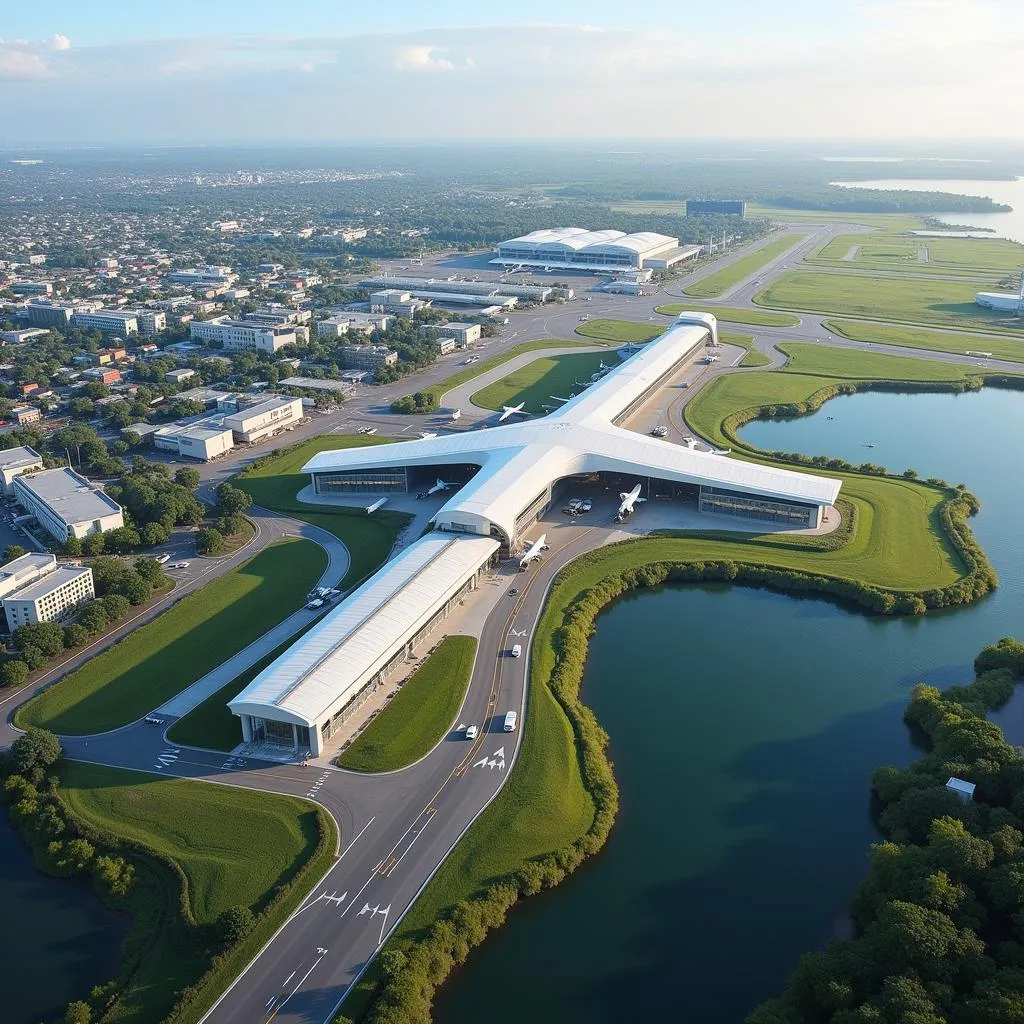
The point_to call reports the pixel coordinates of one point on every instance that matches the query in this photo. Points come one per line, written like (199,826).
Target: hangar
(592,251)
(509,475)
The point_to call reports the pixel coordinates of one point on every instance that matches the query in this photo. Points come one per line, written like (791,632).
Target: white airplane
(456,415)
(533,552)
(628,502)
(511,410)
(441,485)
(427,435)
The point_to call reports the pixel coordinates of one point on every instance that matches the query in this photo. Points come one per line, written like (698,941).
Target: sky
(208,71)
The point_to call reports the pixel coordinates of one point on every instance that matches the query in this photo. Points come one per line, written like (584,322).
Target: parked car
(164,558)
(153,720)
(471,732)
(180,565)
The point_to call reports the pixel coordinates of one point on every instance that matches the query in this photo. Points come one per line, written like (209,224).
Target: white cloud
(59,42)
(18,63)
(422,57)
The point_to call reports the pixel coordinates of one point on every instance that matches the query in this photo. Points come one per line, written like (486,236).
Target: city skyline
(899,69)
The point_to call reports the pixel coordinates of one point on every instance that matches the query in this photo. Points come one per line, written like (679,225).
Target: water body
(1004,225)
(57,941)
(744,726)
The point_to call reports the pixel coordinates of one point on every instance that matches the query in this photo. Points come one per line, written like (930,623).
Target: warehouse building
(298,700)
(465,335)
(66,504)
(264,419)
(527,292)
(14,462)
(203,439)
(591,251)
(1003,302)
(51,597)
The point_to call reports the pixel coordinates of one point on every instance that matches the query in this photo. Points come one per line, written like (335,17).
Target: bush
(13,672)
(418,402)
(93,617)
(75,635)
(233,925)
(33,657)
(209,542)
(47,637)
(115,605)
(13,551)
(35,752)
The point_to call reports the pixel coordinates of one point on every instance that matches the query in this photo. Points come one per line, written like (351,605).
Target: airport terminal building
(507,478)
(586,251)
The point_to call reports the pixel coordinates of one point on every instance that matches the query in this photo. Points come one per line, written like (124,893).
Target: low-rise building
(66,505)
(119,322)
(445,345)
(104,374)
(465,335)
(333,327)
(47,313)
(14,462)
(25,414)
(32,288)
(203,439)
(240,336)
(265,418)
(20,337)
(179,376)
(50,598)
(25,569)
(200,276)
(368,357)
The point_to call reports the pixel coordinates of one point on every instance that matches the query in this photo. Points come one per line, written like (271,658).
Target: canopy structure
(519,463)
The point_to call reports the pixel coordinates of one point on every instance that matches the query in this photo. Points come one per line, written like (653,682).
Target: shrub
(13,672)
(209,542)
(233,925)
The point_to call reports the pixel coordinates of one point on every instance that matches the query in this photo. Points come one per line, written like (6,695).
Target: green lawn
(625,332)
(538,382)
(156,661)
(234,846)
(733,314)
(713,286)
(752,356)
(948,303)
(891,222)
(275,483)
(418,717)
(825,360)
(1011,349)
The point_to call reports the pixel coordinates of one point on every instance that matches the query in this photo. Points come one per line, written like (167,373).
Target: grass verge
(1010,349)
(419,715)
(160,659)
(751,356)
(541,382)
(713,286)
(199,849)
(625,332)
(910,300)
(733,314)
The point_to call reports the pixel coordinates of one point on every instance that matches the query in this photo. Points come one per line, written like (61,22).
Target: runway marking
(169,756)
(286,980)
(316,787)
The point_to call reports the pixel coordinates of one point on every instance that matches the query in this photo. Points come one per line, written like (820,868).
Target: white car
(471,732)
(181,565)
(164,558)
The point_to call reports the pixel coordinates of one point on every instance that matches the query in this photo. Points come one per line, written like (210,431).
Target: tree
(149,569)
(73,547)
(75,635)
(47,636)
(78,1012)
(231,500)
(115,605)
(234,924)
(122,540)
(154,533)
(391,961)
(13,672)
(230,525)
(188,477)
(93,544)
(93,617)
(13,551)
(33,657)
(35,751)
(209,542)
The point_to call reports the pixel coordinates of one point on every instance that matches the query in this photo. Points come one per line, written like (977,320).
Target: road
(396,829)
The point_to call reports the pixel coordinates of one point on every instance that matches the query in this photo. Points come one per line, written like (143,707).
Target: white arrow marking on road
(496,760)
(500,752)
(336,898)
(480,763)
(512,632)
(365,910)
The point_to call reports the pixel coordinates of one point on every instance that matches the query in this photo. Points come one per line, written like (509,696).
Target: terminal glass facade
(368,481)
(793,515)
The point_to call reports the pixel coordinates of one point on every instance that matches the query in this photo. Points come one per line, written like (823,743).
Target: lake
(744,727)
(1005,225)
(58,940)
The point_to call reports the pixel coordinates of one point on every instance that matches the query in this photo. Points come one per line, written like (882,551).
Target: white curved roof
(608,240)
(518,460)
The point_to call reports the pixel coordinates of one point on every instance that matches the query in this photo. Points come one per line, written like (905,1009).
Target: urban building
(150,321)
(314,384)
(589,251)
(14,462)
(394,300)
(445,345)
(202,439)
(109,321)
(32,288)
(20,337)
(179,376)
(708,207)
(240,336)
(25,414)
(203,276)
(66,505)
(104,374)
(51,597)
(333,327)
(25,569)
(264,418)
(367,357)
(481,289)
(465,335)
(47,313)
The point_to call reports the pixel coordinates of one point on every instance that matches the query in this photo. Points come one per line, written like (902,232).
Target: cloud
(427,58)
(17,63)
(59,42)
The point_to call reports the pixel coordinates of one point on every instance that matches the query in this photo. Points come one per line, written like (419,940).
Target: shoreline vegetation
(454,914)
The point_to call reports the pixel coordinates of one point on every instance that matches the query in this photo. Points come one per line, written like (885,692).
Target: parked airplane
(534,551)
(628,503)
(456,415)
(511,410)
(441,485)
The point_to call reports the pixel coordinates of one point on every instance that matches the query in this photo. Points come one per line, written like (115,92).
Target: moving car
(517,650)
(510,721)
(181,565)
(153,720)
(471,732)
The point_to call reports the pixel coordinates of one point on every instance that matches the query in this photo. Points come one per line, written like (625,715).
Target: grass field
(537,382)
(752,357)
(713,286)
(826,361)
(733,314)
(158,660)
(419,715)
(1011,349)
(368,538)
(620,331)
(948,303)
(234,846)
(891,222)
